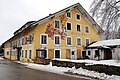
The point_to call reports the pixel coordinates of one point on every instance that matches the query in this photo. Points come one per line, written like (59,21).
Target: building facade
(63,34)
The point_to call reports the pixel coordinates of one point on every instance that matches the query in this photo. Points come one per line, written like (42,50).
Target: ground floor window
(25,53)
(57,53)
(22,53)
(30,54)
(44,53)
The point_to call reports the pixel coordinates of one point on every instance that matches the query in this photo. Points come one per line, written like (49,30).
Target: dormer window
(69,15)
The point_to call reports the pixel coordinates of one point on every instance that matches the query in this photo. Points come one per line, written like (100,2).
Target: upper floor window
(69,41)
(26,40)
(22,41)
(78,28)
(78,16)
(78,41)
(87,41)
(69,15)
(57,39)
(57,24)
(44,39)
(69,26)
(30,39)
(86,29)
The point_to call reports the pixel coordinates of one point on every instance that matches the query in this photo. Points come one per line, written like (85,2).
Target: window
(25,53)
(19,42)
(57,53)
(87,41)
(97,53)
(7,53)
(22,41)
(86,29)
(30,54)
(16,43)
(78,41)
(44,39)
(56,24)
(78,28)
(30,39)
(25,40)
(57,39)
(89,53)
(69,14)
(78,16)
(69,41)
(69,27)
(44,53)
(22,53)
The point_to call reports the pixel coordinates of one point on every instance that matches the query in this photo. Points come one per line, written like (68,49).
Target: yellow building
(63,35)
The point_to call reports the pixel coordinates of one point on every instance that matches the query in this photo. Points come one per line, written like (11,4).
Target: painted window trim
(76,16)
(47,53)
(80,39)
(71,40)
(59,39)
(80,27)
(88,29)
(66,26)
(86,39)
(59,23)
(41,38)
(54,53)
(70,14)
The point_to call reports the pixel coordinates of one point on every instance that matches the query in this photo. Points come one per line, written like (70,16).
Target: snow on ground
(104,62)
(1,58)
(61,70)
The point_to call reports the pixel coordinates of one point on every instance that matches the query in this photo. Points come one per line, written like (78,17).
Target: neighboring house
(106,49)
(63,34)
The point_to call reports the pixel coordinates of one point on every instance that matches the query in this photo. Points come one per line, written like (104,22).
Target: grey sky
(15,13)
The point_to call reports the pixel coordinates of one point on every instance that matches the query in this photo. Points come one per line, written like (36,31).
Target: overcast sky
(15,13)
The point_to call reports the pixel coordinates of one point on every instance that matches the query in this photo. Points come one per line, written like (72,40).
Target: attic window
(78,16)
(69,14)
(57,24)
(86,29)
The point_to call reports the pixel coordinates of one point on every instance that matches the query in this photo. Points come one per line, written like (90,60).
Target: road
(10,70)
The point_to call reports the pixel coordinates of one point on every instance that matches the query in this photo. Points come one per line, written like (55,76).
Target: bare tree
(107,14)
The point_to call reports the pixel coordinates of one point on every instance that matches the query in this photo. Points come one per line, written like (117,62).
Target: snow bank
(94,74)
(61,70)
(92,62)
(1,58)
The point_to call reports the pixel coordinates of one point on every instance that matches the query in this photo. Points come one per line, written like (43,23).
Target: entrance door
(18,53)
(107,54)
(73,53)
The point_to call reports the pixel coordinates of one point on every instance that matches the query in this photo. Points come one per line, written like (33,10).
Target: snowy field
(61,70)
(92,62)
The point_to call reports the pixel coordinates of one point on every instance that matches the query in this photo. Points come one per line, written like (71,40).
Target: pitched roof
(112,42)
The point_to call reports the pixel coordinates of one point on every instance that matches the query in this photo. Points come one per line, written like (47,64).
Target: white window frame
(71,40)
(88,29)
(80,28)
(47,52)
(59,24)
(86,39)
(76,16)
(59,39)
(70,14)
(41,38)
(29,54)
(54,52)
(77,41)
(66,26)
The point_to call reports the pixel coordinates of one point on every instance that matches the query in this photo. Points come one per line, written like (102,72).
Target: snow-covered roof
(112,42)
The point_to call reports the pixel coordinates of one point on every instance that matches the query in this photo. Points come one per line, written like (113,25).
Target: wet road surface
(10,70)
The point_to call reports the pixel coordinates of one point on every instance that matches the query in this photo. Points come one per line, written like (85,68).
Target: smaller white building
(106,49)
